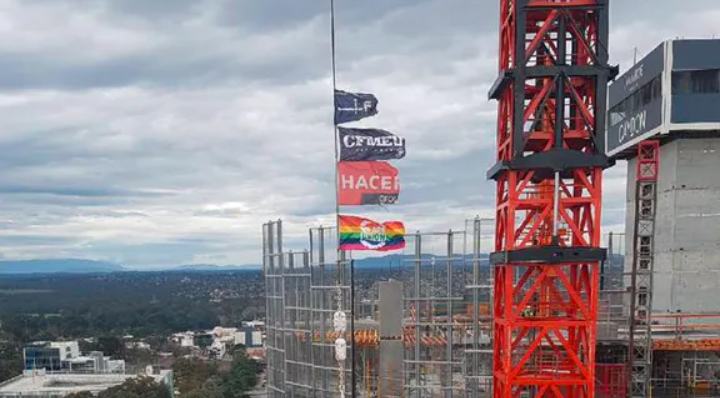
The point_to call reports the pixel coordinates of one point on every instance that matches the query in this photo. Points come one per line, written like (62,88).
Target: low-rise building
(41,384)
(66,357)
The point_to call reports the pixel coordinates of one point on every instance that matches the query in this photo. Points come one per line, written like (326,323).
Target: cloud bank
(161,132)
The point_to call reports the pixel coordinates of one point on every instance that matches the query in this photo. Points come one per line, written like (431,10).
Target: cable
(339,318)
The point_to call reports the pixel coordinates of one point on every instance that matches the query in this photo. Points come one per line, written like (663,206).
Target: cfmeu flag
(367,183)
(358,233)
(369,144)
(351,107)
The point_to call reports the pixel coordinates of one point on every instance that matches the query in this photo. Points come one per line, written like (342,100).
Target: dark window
(638,100)
(681,83)
(656,87)
(646,94)
(696,82)
(706,81)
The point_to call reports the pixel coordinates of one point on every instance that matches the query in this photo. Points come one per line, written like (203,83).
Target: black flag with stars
(357,145)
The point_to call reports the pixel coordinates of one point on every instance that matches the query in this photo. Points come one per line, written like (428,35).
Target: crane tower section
(550,160)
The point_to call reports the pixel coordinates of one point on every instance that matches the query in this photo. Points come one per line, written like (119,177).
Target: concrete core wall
(391,351)
(687,230)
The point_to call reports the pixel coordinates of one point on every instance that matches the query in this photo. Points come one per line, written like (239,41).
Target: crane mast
(551,90)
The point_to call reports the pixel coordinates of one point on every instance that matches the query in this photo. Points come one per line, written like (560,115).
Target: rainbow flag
(357,233)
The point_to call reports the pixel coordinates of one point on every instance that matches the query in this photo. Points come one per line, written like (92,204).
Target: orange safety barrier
(483,309)
(687,345)
(371,338)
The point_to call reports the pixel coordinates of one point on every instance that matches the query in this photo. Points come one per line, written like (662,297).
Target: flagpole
(335,129)
(341,275)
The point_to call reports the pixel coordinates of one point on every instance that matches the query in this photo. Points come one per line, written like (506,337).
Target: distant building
(255,324)
(215,342)
(185,339)
(46,385)
(203,340)
(249,337)
(42,357)
(52,357)
(140,345)
(95,362)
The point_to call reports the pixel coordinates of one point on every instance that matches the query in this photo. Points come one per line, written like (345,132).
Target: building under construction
(536,302)
(423,331)
(426,330)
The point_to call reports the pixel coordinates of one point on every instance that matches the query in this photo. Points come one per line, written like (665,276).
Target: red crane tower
(550,159)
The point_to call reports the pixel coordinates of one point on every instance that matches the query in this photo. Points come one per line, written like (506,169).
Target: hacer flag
(367,183)
(351,107)
(358,233)
(369,144)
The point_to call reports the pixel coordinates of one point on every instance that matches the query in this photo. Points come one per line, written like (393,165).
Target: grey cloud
(279,14)
(150,254)
(652,12)
(441,19)
(34,240)
(156,10)
(195,61)
(185,66)
(75,191)
(176,148)
(62,204)
(457,179)
(176,252)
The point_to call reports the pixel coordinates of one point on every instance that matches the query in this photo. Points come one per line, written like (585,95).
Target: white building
(185,339)
(42,385)
(68,349)
(221,332)
(249,338)
(95,362)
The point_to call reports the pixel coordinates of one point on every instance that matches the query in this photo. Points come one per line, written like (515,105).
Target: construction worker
(527,312)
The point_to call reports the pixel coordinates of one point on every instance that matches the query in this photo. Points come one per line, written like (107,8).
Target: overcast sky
(165,132)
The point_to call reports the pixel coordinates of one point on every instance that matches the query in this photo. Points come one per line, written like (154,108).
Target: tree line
(106,307)
(193,378)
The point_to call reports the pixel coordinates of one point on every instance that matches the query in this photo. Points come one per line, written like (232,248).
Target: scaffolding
(422,325)
(426,334)
(274,307)
(330,272)
(478,357)
(434,370)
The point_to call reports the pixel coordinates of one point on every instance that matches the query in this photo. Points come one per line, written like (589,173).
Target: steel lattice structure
(551,121)
(640,343)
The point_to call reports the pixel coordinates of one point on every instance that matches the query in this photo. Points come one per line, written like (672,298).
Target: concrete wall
(391,308)
(390,372)
(391,351)
(687,232)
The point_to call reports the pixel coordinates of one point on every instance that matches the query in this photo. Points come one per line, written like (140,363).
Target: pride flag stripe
(357,233)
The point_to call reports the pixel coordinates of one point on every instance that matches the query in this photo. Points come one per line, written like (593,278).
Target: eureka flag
(351,107)
(357,233)
(369,144)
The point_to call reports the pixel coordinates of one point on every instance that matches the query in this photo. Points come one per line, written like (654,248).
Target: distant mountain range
(57,266)
(212,267)
(76,266)
(407,260)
